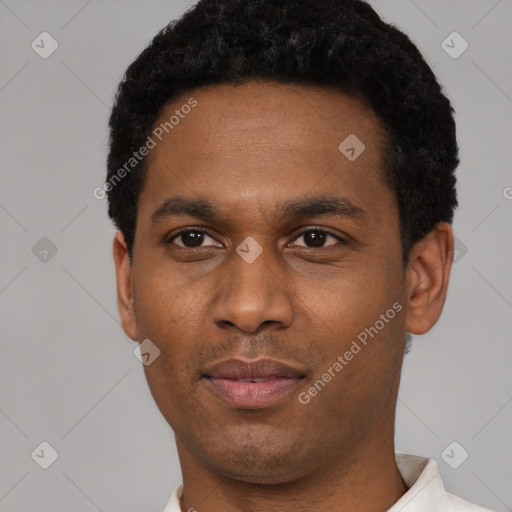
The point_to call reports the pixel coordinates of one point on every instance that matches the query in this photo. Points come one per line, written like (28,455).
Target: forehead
(262,142)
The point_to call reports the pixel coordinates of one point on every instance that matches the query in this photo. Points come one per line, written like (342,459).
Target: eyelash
(340,239)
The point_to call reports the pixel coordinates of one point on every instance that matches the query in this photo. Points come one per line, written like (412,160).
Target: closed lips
(252,370)
(253,384)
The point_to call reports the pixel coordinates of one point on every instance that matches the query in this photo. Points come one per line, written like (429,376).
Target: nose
(253,294)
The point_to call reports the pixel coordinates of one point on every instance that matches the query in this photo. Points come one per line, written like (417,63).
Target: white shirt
(426,490)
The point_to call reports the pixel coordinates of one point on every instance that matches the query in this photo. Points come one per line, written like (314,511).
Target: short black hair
(342,44)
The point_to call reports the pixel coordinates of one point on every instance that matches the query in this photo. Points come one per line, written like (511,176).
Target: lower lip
(253,395)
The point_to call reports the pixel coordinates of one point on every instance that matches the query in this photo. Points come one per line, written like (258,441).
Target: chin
(256,461)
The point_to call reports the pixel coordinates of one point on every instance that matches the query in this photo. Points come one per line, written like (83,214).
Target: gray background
(68,375)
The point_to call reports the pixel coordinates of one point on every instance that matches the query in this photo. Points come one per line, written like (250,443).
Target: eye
(317,238)
(191,238)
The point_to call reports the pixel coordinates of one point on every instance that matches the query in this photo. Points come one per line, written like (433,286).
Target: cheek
(170,315)
(171,391)
(161,299)
(351,299)
(360,347)
(360,316)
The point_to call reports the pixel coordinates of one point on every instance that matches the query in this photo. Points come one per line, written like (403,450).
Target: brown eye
(191,238)
(318,238)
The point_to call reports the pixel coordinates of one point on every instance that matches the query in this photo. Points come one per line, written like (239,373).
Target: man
(282,177)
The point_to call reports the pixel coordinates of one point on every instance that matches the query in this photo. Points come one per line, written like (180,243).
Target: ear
(428,273)
(124,286)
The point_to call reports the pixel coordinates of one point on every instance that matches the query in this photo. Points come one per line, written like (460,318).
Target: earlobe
(428,274)
(124,286)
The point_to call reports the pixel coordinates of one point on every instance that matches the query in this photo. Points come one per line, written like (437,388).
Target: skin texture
(248,149)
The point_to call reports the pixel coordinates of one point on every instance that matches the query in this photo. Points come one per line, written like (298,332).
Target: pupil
(194,237)
(314,238)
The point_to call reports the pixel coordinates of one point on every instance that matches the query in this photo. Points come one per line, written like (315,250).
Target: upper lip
(247,369)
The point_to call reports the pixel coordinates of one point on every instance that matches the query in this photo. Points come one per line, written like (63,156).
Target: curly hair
(342,44)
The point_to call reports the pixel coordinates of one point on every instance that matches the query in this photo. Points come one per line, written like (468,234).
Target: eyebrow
(308,207)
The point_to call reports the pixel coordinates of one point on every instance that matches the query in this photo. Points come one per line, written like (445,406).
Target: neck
(367,480)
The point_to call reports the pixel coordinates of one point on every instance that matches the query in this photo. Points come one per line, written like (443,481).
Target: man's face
(263,156)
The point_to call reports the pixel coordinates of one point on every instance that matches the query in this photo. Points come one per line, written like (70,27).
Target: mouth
(252,384)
